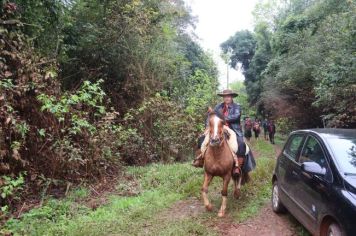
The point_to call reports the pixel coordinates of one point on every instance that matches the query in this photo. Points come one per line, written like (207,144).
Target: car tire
(334,230)
(277,205)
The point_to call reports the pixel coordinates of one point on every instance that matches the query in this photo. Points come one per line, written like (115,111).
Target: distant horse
(218,161)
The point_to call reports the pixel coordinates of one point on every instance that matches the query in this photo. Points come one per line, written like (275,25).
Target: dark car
(315,180)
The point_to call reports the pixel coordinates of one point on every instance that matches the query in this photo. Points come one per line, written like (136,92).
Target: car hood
(350,185)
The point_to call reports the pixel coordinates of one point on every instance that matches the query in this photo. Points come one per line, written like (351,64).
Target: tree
(303,59)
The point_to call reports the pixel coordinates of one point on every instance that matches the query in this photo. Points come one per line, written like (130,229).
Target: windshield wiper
(350,174)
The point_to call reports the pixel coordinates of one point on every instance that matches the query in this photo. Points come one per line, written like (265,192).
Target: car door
(287,166)
(311,191)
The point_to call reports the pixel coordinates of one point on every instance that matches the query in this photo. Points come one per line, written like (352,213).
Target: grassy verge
(160,186)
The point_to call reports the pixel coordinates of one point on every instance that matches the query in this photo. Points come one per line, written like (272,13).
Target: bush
(54,136)
(161,131)
(9,191)
(285,125)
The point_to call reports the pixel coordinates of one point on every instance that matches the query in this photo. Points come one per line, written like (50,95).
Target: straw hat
(227,92)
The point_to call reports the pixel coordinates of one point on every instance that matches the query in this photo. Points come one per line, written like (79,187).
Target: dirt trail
(265,223)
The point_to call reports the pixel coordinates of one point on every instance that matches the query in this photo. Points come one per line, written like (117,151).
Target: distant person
(248,128)
(265,129)
(271,131)
(256,128)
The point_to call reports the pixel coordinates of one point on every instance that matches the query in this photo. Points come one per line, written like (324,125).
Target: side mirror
(313,168)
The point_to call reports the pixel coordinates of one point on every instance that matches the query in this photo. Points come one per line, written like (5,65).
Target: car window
(344,151)
(293,145)
(312,151)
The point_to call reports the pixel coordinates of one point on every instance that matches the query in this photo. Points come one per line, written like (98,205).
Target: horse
(218,161)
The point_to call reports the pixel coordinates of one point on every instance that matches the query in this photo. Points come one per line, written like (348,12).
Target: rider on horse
(230,112)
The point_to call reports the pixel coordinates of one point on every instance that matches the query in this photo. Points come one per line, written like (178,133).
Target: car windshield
(344,149)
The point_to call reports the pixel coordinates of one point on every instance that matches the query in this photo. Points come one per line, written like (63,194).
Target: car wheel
(334,230)
(277,205)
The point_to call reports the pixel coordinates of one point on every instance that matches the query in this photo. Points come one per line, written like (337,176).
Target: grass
(257,193)
(263,148)
(160,186)
(280,139)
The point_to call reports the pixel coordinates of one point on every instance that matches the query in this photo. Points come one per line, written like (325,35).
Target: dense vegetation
(87,86)
(299,62)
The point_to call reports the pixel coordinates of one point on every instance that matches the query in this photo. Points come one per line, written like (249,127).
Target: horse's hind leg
(237,186)
(226,180)
(204,191)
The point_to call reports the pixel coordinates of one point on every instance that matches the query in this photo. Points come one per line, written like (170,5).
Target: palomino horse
(218,161)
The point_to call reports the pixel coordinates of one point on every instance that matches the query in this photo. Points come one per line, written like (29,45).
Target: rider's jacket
(233,116)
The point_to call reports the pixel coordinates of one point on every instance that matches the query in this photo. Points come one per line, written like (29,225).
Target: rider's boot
(199,160)
(238,162)
(236,170)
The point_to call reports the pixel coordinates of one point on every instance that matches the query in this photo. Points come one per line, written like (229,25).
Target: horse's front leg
(204,191)
(226,180)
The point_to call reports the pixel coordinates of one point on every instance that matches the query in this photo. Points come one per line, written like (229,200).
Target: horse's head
(216,129)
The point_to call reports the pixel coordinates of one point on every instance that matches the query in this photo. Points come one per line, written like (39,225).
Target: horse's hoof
(209,207)
(221,213)
(237,194)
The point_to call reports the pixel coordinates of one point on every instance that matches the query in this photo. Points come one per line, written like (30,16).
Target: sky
(217,21)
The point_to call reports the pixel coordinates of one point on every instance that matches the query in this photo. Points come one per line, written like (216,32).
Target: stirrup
(236,172)
(198,161)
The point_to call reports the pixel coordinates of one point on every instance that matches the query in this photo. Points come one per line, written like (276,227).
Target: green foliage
(242,99)
(22,128)
(137,47)
(54,136)
(335,76)
(199,96)
(10,187)
(253,51)
(285,125)
(78,108)
(303,62)
(163,132)
(242,46)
